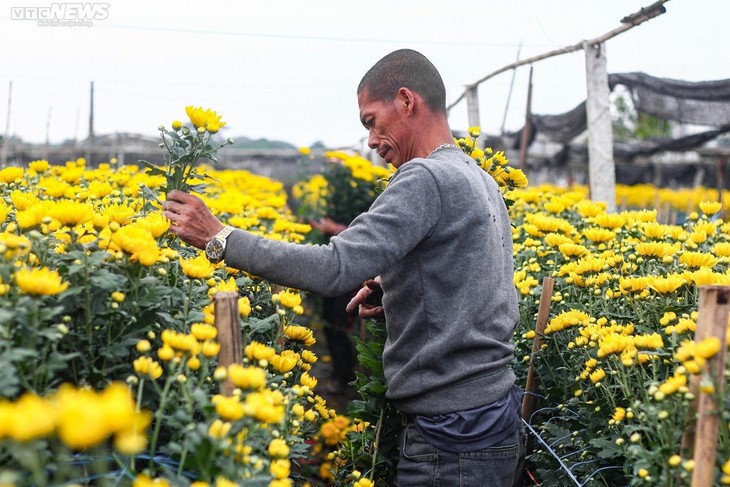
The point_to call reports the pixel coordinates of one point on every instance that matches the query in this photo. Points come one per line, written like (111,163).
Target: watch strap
(224,233)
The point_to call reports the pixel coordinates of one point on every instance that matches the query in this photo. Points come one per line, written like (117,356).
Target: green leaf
(107,280)
(261,326)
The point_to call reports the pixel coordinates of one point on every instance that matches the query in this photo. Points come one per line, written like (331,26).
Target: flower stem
(378,429)
(161,409)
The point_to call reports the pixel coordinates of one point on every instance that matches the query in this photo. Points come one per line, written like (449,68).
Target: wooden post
(472,109)
(712,321)
(509,93)
(601,166)
(720,172)
(527,128)
(543,312)
(228,324)
(6,133)
(48,133)
(90,138)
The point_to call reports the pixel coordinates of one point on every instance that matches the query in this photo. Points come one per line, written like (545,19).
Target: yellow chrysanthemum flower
(289,298)
(147,367)
(698,259)
(266,406)
(612,221)
(666,285)
(709,208)
(210,348)
(656,249)
(203,332)
(228,408)
(40,281)
(39,166)
(204,118)
(300,333)
(284,363)
(219,429)
(572,250)
(599,235)
(247,377)
(278,448)
(11,174)
(198,267)
(280,468)
(258,351)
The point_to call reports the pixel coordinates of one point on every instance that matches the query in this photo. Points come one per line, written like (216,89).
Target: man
(440,240)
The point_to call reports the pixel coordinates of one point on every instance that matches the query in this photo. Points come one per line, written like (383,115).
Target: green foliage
(629,124)
(185,148)
(82,335)
(374,451)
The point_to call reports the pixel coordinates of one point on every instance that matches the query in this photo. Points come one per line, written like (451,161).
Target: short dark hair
(405,68)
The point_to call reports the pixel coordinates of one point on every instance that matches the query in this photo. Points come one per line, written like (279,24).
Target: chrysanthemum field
(108,354)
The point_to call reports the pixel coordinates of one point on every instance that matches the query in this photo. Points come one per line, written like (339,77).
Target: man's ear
(406,99)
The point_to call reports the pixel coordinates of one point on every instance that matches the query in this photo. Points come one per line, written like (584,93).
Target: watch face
(214,250)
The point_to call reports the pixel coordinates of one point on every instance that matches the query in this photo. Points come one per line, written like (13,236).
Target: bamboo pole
(543,312)
(628,22)
(712,321)
(527,128)
(228,324)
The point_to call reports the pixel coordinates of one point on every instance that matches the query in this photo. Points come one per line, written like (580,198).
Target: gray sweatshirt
(440,238)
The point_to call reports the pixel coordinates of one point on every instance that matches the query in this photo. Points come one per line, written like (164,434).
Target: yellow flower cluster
(626,288)
(300,334)
(334,431)
(39,281)
(495,163)
(79,418)
(202,118)
(693,355)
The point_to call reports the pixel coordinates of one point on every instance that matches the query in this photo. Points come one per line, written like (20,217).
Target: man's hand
(328,226)
(366,311)
(190,219)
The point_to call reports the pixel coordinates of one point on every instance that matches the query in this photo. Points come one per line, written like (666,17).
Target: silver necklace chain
(442,146)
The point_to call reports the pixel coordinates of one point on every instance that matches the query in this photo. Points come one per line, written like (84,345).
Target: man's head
(403,106)
(409,69)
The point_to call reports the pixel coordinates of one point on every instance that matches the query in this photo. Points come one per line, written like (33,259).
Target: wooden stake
(527,128)
(6,134)
(712,321)
(543,312)
(228,324)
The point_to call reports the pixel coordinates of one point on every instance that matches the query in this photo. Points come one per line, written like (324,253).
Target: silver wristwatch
(215,249)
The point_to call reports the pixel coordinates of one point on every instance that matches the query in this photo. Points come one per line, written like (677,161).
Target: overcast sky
(289,69)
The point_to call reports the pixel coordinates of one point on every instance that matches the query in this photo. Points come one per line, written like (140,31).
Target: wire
(266,35)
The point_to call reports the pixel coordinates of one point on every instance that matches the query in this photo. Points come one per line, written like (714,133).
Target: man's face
(386,122)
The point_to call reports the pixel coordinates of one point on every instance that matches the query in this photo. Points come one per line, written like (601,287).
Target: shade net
(705,103)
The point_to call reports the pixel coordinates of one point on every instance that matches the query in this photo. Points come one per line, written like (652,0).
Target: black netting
(701,103)
(630,149)
(705,103)
(563,127)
